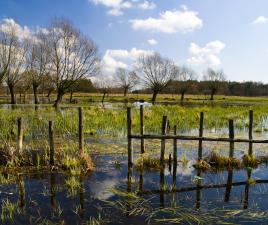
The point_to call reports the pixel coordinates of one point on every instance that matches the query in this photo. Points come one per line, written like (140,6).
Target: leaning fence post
(130,148)
(163,141)
(142,128)
(201,126)
(20,133)
(51,143)
(175,146)
(250,128)
(231,136)
(80,131)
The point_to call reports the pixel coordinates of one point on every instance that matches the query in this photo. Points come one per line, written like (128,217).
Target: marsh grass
(132,204)
(218,161)
(8,210)
(250,161)
(148,161)
(72,184)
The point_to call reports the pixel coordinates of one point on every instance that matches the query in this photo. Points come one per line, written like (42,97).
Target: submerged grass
(132,204)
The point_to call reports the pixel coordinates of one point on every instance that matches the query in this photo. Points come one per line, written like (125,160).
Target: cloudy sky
(227,34)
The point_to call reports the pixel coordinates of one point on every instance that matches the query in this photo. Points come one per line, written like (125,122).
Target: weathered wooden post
(20,133)
(201,127)
(80,131)
(250,128)
(130,148)
(142,128)
(231,136)
(51,143)
(175,146)
(163,141)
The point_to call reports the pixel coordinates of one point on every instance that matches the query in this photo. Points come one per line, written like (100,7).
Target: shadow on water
(46,197)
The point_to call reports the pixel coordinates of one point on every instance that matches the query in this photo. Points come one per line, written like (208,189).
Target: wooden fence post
(142,128)
(130,148)
(163,141)
(201,126)
(80,131)
(250,128)
(51,143)
(175,146)
(231,136)
(20,133)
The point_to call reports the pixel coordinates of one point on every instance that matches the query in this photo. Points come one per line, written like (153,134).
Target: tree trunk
(182,95)
(154,97)
(36,101)
(125,92)
(12,94)
(59,99)
(71,97)
(49,93)
(103,96)
(212,94)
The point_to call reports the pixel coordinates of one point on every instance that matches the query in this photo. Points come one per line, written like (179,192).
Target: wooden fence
(200,138)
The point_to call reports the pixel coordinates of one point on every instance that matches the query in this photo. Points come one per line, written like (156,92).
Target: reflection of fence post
(250,127)
(80,131)
(163,141)
(20,133)
(81,196)
(231,136)
(21,191)
(52,191)
(198,190)
(142,128)
(247,190)
(130,148)
(175,146)
(201,125)
(51,143)
(228,186)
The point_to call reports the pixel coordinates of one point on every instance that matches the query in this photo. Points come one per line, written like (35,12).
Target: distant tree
(126,79)
(38,60)
(185,75)
(156,72)
(73,55)
(214,78)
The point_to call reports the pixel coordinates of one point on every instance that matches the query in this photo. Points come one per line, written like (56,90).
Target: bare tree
(12,58)
(6,46)
(156,72)
(185,75)
(73,55)
(38,60)
(214,79)
(126,79)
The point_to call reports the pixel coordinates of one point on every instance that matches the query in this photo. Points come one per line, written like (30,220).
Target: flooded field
(114,194)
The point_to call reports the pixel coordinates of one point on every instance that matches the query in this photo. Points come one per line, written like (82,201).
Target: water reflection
(183,186)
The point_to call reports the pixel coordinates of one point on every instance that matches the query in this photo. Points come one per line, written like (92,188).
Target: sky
(222,34)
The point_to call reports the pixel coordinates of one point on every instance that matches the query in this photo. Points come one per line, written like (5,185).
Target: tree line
(60,59)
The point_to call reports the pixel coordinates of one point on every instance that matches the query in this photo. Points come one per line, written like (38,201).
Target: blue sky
(226,34)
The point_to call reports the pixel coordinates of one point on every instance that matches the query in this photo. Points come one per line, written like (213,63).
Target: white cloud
(120,58)
(207,55)
(183,21)
(9,25)
(116,7)
(147,5)
(152,42)
(260,20)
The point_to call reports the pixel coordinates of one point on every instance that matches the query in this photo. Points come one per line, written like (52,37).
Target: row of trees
(156,73)
(58,56)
